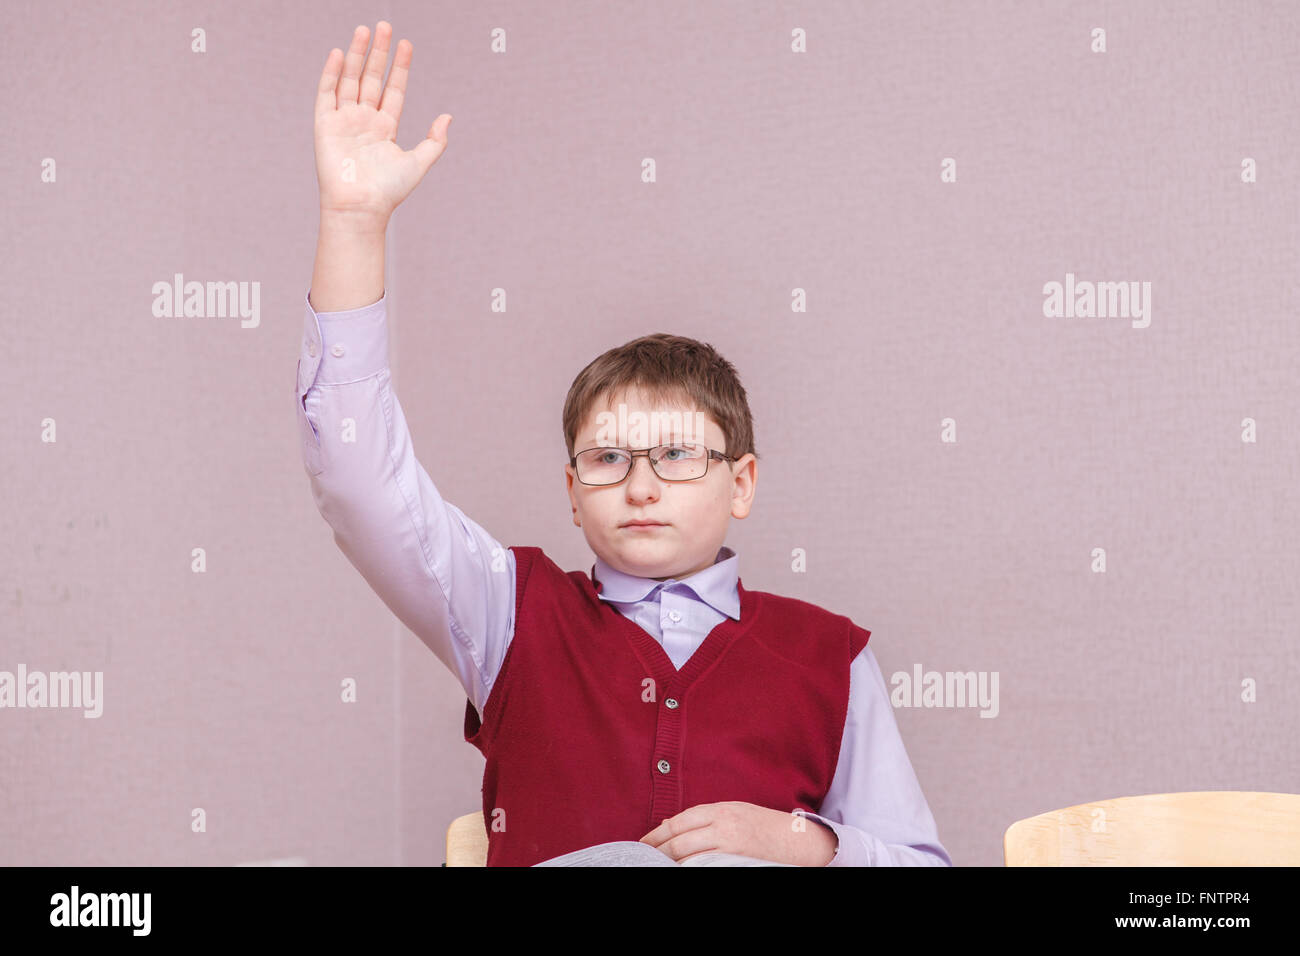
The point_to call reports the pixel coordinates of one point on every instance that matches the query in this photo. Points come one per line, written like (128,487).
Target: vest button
(663,766)
(671,703)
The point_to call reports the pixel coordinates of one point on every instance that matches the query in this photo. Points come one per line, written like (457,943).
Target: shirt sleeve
(437,570)
(875,805)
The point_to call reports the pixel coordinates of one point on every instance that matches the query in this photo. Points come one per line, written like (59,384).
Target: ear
(569,478)
(745,474)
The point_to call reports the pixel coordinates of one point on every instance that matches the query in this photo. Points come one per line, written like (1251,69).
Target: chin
(646,556)
(646,550)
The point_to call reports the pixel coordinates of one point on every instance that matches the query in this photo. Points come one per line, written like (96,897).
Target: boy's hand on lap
(733,826)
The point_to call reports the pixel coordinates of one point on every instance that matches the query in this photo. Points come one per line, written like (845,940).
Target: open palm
(359,165)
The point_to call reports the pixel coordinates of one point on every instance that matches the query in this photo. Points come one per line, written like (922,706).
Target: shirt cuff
(853,849)
(839,858)
(857,847)
(342,347)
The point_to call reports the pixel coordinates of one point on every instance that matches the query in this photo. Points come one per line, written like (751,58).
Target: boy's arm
(875,804)
(442,574)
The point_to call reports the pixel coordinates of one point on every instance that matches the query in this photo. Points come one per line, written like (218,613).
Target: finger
(372,80)
(395,91)
(657,835)
(326,95)
(691,843)
(352,65)
(700,815)
(430,148)
(683,859)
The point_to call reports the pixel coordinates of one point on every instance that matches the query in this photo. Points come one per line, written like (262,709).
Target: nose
(642,482)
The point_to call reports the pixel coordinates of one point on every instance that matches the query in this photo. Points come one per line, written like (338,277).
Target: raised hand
(362,171)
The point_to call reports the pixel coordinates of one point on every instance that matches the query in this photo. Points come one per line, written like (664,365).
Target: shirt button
(671,703)
(337,351)
(663,766)
(675,616)
(311,348)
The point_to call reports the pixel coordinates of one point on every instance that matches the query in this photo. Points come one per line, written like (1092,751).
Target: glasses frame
(634,453)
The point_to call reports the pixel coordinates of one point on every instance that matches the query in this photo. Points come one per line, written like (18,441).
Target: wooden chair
(1201,828)
(467,842)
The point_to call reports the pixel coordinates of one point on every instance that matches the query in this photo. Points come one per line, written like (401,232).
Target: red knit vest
(592,735)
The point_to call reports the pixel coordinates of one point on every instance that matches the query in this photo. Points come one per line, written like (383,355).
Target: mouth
(643,524)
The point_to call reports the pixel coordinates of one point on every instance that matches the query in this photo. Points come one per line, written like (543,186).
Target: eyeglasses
(682,461)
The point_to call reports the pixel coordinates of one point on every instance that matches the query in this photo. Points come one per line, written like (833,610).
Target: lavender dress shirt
(453,584)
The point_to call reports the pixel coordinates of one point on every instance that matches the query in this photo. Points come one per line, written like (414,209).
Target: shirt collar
(714,585)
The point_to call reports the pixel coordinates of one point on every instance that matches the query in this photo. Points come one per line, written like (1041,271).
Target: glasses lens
(602,466)
(680,462)
(676,462)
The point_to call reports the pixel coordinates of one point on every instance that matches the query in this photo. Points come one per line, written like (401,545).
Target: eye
(682,452)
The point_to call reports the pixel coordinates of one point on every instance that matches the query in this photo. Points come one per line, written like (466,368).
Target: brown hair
(667,368)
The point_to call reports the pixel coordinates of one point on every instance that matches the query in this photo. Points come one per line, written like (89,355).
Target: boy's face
(694,513)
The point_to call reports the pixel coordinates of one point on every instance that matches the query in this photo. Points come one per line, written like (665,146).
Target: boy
(657,699)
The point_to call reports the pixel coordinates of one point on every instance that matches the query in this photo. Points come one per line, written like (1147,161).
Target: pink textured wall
(776,171)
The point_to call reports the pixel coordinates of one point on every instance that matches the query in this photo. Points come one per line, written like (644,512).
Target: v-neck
(652,653)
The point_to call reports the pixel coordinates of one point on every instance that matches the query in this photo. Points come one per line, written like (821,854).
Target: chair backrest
(1201,828)
(467,842)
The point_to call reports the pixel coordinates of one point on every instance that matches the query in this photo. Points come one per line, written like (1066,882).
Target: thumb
(430,148)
